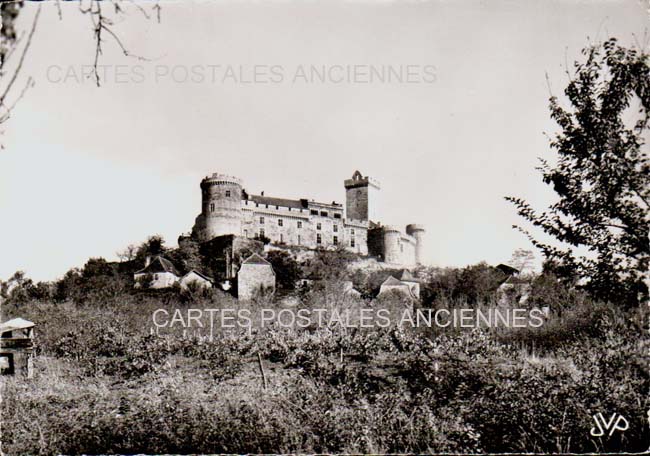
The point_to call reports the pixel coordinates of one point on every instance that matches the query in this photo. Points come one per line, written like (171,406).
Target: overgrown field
(105,384)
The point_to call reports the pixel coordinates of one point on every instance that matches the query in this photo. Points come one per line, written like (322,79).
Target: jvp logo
(611,425)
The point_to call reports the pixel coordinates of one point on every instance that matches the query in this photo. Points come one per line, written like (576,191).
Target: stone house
(195,278)
(255,276)
(408,288)
(159,270)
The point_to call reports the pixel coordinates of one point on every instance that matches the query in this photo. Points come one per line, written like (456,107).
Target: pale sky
(86,171)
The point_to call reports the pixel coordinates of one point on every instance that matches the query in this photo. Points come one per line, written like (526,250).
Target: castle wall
(317,226)
(228,210)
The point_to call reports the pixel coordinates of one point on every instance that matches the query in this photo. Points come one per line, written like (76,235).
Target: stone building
(196,279)
(227,209)
(406,285)
(255,276)
(159,272)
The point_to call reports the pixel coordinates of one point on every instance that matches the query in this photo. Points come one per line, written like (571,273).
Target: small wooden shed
(16,347)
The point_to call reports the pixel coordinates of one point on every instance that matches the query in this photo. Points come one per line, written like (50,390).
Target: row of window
(319,238)
(325,214)
(319,225)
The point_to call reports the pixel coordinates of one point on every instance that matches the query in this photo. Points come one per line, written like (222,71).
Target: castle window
(267,206)
(279,222)
(298,239)
(319,239)
(318,226)
(246,233)
(314,212)
(299,223)
(277,207)
(323,213)
(336,240)
(261,220)
(257,205)
(211,207)
(261,232)
(337,216)
(352,242)
(336,228)
(227,193)
(352,231)
(281,239)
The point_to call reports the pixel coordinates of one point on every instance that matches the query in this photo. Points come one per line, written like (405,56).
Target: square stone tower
(361,198)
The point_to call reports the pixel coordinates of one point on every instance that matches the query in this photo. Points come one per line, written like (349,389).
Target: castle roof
(284,202)
(159,264)
(255,259)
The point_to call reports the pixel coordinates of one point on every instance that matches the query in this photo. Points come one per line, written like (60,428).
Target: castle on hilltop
(227,209)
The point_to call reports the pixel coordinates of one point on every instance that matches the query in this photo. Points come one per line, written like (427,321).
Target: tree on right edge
(602,177)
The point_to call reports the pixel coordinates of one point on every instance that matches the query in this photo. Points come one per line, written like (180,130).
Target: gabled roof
(159,264)
(255,259)
(509,270)
(407,276)
(392,281)
(14,324)
(203,276)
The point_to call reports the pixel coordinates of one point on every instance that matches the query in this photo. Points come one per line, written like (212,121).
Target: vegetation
(602,176)
(109,381)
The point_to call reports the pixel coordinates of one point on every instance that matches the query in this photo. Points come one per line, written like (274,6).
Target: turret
(221,211)
(417,231)
(392,248)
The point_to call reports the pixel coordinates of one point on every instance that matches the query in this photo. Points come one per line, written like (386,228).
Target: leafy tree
(478,283)
(522,260)
(287,270)
(602,176)
(154,245)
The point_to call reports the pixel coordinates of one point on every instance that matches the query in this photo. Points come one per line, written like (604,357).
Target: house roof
(255,259)
(284,202)
(203,276)
(15,323)
(507,269)
(392,281)
(407,276)
(159,264)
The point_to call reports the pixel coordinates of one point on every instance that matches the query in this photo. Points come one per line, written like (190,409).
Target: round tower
(392,249)
(417,231)
(221,211)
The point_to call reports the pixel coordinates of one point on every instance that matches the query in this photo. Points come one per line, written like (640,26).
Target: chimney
(147,261)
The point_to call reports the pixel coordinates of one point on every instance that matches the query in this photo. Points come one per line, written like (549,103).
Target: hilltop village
(236,228)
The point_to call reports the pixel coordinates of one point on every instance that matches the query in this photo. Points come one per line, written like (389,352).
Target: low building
(350,291)
(158,272)
(514,290)
(408,288)
(255,276)
(412,282)
(16,347)
(196,279)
